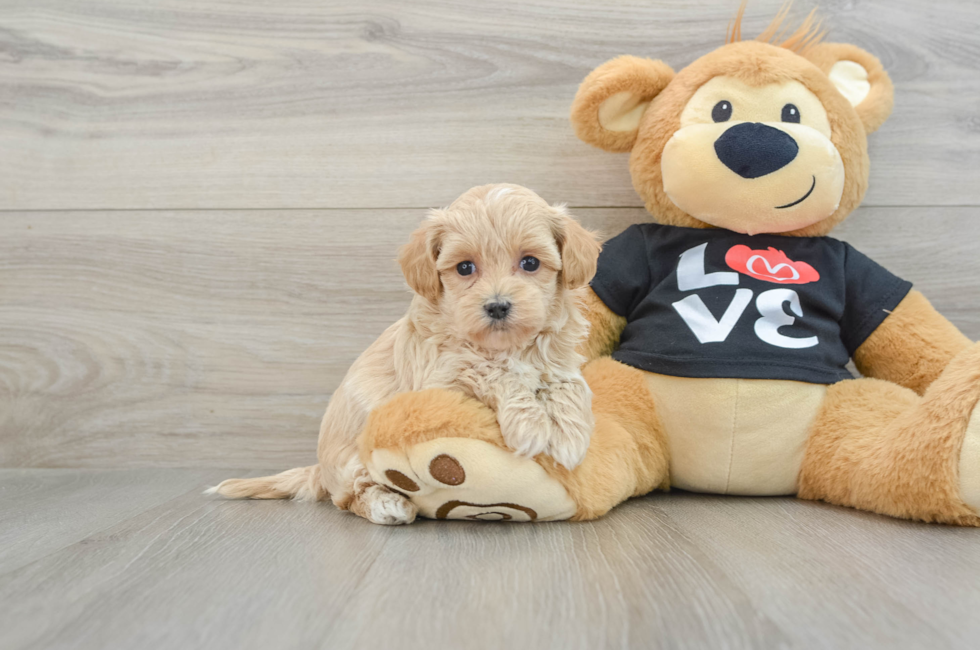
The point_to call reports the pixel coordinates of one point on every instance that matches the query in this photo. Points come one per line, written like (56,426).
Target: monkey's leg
(880,447)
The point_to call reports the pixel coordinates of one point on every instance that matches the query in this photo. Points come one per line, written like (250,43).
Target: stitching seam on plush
(731,449)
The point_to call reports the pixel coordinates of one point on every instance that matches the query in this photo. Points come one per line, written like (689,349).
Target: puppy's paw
(380,505)
(569,406)
(569,443)
(526,428)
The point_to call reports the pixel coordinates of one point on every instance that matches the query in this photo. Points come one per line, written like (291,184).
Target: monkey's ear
(859,77)
(418,259)
(607,109)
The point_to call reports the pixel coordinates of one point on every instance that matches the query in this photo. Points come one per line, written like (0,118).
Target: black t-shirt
(714,303)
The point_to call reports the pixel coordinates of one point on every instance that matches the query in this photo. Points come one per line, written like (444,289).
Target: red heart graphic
(770,266)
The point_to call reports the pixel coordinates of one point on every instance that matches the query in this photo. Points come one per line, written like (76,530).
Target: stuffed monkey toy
(720,330)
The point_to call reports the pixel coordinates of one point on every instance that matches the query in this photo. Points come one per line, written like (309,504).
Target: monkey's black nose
(497,310)
(751,149)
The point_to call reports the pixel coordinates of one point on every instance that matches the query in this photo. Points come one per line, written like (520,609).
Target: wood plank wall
(200,201)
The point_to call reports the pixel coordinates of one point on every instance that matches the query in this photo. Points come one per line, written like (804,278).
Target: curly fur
(526,369)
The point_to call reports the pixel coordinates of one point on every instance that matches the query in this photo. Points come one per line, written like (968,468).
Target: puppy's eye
(791,114)
(465,268)
(530,264)
(722,112)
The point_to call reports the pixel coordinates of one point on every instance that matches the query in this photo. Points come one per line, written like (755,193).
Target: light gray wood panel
(839,577)
(189,331)
(44,511)
(188,339)
(194,104)
(632,579)
(193,573)
(665,571)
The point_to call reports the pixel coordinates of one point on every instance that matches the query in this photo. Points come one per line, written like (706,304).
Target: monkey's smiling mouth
(802,199)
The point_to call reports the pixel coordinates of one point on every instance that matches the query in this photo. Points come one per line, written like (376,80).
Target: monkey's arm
(912,346)
(605,327)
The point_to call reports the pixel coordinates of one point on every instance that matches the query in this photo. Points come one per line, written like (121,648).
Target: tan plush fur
(912,347)
(877,106)
(880,447)
(604,327)
(410,418)
(802,40)
(525,366)
(643,79)
(628,455)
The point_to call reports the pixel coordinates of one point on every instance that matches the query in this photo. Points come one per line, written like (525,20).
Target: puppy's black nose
(497,310)
(751,149)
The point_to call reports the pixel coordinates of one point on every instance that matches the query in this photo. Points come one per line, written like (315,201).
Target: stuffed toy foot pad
(965,388)
(970,462)
(466,478)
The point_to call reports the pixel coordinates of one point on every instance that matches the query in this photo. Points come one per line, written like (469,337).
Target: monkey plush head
(755,137)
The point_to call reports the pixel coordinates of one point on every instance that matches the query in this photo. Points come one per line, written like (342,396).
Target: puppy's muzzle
(497,310)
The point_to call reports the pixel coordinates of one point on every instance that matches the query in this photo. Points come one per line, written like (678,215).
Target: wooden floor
(138,559)
(200,204)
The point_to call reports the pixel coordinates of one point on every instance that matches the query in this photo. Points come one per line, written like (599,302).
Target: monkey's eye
(722,112)
(465,268)
(791,114)
(530,264)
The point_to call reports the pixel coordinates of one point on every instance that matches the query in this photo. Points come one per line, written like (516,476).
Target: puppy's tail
(301,483)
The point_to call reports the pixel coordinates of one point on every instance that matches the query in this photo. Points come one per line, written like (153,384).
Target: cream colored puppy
(496,316)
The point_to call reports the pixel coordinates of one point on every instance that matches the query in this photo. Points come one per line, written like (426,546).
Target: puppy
(495,315)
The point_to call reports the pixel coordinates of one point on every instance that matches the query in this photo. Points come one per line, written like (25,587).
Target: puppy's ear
(608,106)
(579,250)
(859,77)
(418,259)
